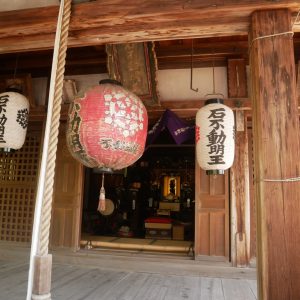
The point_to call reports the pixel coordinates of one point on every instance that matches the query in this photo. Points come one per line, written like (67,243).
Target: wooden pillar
(240,201)
(239,172)
(298,83)
(276,155)
(42,277)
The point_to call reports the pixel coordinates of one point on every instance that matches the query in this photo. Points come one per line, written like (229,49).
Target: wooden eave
(119,21)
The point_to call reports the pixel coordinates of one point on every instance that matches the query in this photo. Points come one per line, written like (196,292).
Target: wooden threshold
(127,261)
(121,243)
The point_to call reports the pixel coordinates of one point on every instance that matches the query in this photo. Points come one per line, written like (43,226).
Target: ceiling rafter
(119,21)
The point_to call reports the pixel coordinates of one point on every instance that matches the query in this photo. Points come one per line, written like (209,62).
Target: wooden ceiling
(171,54)
(218,29)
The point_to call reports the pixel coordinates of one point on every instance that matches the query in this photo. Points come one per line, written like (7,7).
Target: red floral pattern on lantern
(107,127)
(197,134)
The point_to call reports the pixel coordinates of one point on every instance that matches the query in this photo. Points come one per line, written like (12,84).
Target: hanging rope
(43,203)
(48,191)
(291,33)
(293,179)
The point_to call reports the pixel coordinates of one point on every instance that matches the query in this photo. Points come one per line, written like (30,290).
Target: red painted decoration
(107,127)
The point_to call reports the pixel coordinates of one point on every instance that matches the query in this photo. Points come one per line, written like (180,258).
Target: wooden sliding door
(211,215)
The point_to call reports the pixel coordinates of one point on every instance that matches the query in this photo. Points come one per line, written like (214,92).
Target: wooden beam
(167,63)
(190,108)
(276,156)
(90,60)
(240,201)
(204,47)
(237,78)
(184,109)
(206,51)
(119,21)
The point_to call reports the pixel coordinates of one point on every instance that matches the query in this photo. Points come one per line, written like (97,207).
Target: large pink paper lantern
(107,127)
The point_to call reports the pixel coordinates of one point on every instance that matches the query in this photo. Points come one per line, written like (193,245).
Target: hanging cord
(271,35)
(213,70)
(16,65)
(291,32)
(192,68)
(293,179)
(101,204)
(213,73)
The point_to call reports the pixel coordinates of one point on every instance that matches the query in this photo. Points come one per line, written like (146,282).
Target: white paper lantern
(215,137)
(14,109)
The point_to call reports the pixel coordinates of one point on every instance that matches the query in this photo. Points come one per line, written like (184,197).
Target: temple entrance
(150,206)
(163,203)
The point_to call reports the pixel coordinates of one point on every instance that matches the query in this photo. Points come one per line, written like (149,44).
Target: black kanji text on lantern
(216,136)
(3,101)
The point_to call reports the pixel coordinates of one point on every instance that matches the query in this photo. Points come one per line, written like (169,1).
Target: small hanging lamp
(215,137)
(14,110)
(107,129)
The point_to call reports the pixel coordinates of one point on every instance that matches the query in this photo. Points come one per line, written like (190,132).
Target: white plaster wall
(172,84)
(84,82)
(175,84)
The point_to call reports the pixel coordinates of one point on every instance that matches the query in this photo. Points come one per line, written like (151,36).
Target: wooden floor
(79,277)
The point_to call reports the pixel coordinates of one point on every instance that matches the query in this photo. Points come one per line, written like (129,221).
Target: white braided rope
(42,214)
(50,170)
(293,179)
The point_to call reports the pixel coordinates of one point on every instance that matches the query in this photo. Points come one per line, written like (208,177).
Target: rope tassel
(101,204)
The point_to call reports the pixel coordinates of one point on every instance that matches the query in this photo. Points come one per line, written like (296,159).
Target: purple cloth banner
(179,129)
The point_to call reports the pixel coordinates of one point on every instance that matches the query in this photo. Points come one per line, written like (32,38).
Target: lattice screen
(18,180)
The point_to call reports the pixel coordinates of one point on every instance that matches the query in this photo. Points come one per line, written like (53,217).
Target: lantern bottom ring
(7,150)
(105,170)
(215,172)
